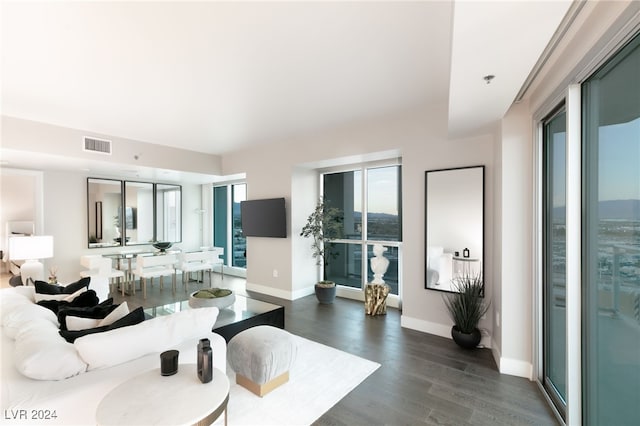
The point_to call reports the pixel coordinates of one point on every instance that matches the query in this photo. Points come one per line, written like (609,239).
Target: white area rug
(321,376)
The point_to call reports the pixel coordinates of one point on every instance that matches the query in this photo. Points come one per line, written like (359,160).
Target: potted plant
(324,224)
(466,307)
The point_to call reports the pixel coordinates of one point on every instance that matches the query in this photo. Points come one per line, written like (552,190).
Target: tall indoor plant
(323,225)
(466,307)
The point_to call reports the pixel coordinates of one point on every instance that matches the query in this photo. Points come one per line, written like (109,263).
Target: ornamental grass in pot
(466,307)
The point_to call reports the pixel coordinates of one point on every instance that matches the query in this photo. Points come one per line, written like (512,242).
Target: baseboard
(350,293)
(512,367)
(303,292)
(231,270)
(426,326)
(515,367)
(437,329)
(495,351)
(282,294)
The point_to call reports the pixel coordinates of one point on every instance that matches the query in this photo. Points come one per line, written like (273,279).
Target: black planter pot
(325,295)
(466,340)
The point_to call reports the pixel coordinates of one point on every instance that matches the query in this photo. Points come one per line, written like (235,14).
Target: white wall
(304,192)
(282,169)
(64,205)
(514,354)
(497,318)
(31,136)
(17,192)
(20,200)
(192,226)
(65,218)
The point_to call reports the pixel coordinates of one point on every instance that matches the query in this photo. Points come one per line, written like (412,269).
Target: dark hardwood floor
(423,379)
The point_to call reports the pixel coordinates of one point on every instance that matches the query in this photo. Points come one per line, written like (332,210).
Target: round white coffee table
(181,399)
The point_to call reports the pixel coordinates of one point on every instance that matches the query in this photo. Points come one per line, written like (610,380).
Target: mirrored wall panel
(138,213)
(132,213)
(104,204)
(168,213)
(454,226)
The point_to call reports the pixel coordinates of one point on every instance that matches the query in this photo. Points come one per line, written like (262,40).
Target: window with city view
(555,254)
(227,230)
(370,199)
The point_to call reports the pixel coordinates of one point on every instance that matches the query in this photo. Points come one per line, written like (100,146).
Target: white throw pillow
(121,311)
(27,291)
(17,318)
(80,323)
(11,301)
(66,297)
(42,354)
(114,347)
(72,296)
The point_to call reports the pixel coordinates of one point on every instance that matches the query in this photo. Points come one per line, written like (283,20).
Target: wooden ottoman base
(263,389)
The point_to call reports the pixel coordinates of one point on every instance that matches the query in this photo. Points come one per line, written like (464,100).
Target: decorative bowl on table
(218,297)
(162,245)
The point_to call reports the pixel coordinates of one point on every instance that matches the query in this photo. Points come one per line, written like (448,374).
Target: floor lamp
(30,249)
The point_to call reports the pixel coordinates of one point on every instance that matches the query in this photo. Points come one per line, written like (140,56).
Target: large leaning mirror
(104,207)
(454,225)
(138,213)
(168,213)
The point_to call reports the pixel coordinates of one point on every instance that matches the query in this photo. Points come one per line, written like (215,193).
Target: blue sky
(619,161)
(382,190)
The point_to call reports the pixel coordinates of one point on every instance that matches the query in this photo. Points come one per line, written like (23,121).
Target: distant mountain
(619,209)
(612,209)
(386,216)
(358,216)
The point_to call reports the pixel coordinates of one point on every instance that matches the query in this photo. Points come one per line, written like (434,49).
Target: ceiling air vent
(97,145)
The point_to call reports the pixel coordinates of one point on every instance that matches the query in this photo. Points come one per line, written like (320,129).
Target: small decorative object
(377,291)
(379,263)
(324,224)
(52,275)
(219,297)
(169,362)
(205,361)
(456,254)
(465,252)
(466,308)
(163,246)
(375,299)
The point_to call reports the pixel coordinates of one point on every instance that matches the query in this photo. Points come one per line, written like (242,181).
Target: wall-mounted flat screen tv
(264,218)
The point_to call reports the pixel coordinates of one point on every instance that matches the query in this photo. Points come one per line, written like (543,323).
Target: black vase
(466,340)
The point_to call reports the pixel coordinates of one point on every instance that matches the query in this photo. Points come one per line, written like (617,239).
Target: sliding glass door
(611,241)
(554,264)
(592,176)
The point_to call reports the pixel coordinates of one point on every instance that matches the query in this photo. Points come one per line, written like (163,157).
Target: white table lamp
(30,249)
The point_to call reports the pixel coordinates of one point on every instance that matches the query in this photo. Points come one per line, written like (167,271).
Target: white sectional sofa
(78,375)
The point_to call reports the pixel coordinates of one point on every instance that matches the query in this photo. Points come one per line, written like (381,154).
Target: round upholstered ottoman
(262,357)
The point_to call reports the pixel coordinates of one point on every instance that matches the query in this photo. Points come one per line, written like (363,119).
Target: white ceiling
(217,76)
